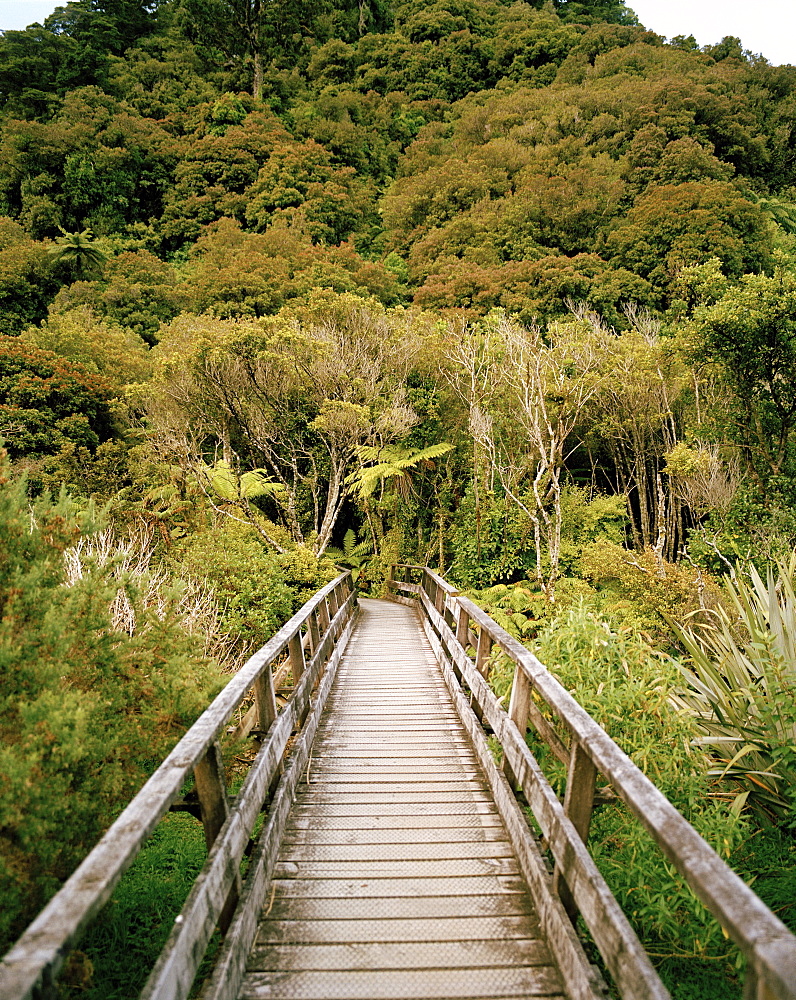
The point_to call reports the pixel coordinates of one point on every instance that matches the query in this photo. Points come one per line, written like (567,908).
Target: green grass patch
(121,946)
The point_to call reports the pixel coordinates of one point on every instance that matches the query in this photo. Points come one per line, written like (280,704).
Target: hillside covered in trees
(506,287)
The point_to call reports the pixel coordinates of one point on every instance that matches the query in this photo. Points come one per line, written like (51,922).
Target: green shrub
(741,691)
(259,588)
(121,945)
(626,686)
(86,708)
(644,592)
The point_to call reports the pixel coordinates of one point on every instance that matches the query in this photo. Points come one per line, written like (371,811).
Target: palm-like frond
(741,686)
(391,462)
(79,249)
(226,485)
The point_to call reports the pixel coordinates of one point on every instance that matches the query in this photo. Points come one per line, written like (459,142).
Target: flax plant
(741,687)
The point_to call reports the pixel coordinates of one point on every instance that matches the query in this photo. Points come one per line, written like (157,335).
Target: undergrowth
(120,947)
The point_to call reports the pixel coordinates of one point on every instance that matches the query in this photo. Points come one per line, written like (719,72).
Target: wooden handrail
(769,947)
(29,969)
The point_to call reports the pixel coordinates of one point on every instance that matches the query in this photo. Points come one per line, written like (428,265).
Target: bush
(86,708)
(626,686)
(741,692)
(644,592)
(260,589)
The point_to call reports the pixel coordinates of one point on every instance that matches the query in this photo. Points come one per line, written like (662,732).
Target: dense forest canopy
(503,286)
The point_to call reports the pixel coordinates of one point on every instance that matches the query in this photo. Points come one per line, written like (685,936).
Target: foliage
(626,686)
(392,463)
(137,291)
(78,251)
(353,555)
(259,588)
(122,943)
(295,397)
(741,686)
(26,280)
(46,401)
(97,345)
(644,591)
(748,336)
(85,706)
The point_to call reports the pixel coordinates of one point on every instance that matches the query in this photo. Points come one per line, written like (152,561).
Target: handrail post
(462,632)
(315,637)
(295,652)
(212,792)
(578,805)
(295,649)
(754,986)
(463,628)
(519,710)
(483,652)
(323,614)
(265,698)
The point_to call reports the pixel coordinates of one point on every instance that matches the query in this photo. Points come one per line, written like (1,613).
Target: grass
(120,948)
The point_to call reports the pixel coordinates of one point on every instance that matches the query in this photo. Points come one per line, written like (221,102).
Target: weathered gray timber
(455,625)
(322,627)
(396,877)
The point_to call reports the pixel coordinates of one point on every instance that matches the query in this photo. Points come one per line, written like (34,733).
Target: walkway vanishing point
(395,860)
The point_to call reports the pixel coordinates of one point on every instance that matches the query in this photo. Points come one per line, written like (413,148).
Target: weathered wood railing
(313,640)
(454,623)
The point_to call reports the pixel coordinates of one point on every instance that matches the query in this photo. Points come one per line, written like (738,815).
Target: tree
(748,339)
(635,419)
(46,401)
(295,397)
(674,225)
(546,383)
(97,345)
(87,701)
(79,251)
(393,467)
(253,28)
(27,282)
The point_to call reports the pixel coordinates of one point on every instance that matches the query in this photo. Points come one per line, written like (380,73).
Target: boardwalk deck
(396,878)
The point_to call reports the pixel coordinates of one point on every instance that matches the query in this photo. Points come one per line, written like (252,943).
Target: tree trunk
(257,86)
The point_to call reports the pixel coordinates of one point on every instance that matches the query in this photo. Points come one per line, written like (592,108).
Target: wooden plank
(416,929)
(211,788)
(386,888)
(370,836)
(385,910)
(407,869)
(395,808)
(408,851)
(425,984)
(410,953)
(471,819)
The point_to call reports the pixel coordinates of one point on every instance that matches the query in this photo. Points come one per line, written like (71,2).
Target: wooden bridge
(395,859)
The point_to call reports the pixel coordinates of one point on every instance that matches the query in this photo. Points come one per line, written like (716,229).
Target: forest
(502,287)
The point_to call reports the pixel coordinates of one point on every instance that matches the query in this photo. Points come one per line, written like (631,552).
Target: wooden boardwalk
(390,857)
(396,878)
